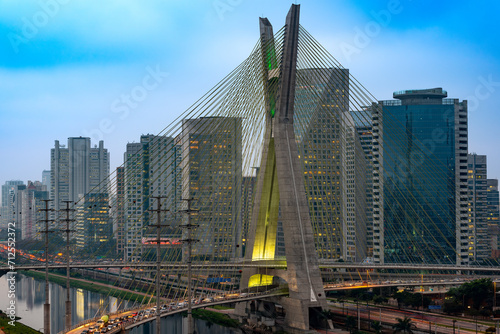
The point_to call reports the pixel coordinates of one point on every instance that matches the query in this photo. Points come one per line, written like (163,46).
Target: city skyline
(64,77)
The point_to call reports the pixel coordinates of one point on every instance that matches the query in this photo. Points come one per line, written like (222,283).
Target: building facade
(493,215)
(420,210)
(120,218)
(31,216)
(151,169)
(212,175)
(328,148)
(93,228)
(77,170)
(478,238)
(9,190)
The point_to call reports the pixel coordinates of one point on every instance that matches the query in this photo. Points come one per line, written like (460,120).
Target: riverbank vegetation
(18,327)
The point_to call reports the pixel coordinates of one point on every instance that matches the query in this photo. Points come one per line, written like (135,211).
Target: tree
(350,323)
(403,298)
(379,299)
(478,292)
(452,306)
(377,327)
(404,325)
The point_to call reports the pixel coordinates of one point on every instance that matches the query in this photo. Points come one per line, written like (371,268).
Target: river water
(30,297)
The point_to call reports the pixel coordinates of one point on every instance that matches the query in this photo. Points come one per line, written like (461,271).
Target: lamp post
(67,230)
(454,321)
(158,226)
(189,240)
(46,306)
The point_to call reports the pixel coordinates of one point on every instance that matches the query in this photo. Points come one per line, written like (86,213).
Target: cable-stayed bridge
(280,174)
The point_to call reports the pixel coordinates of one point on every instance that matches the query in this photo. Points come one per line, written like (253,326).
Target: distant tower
(31,217)
(46,180)
(77,170)
(8,194)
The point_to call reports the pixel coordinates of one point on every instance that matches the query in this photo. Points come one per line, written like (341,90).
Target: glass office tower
(420,178)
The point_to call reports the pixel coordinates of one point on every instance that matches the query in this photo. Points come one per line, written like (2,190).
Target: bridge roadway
(137,321)
(219,300)
(280,264)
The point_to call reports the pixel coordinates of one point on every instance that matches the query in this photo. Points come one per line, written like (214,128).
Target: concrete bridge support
(280,187)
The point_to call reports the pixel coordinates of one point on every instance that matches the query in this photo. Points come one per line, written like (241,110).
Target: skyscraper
(8,194)
(77,170)
(420,179)
(150,169)
(327,143)
(75,173)
(478,237)
(212,175)
(31,216)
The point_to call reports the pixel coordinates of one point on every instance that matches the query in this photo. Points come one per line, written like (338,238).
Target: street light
(454,321)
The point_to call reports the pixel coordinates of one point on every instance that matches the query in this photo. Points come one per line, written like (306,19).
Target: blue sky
(64,64)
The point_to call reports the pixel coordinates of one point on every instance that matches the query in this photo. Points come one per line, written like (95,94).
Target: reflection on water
(30,297)
(176,324)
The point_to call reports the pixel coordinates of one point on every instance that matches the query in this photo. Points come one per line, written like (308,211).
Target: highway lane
(424,321)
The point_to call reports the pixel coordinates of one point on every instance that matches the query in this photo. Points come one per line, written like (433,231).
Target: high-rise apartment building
(212,175)
(478,237)
(9,190)
(326,138)
(77,170)
(151,169)
(420,210)
(364,165)
(31,217)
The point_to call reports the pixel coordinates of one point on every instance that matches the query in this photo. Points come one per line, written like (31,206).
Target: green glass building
(420,179)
